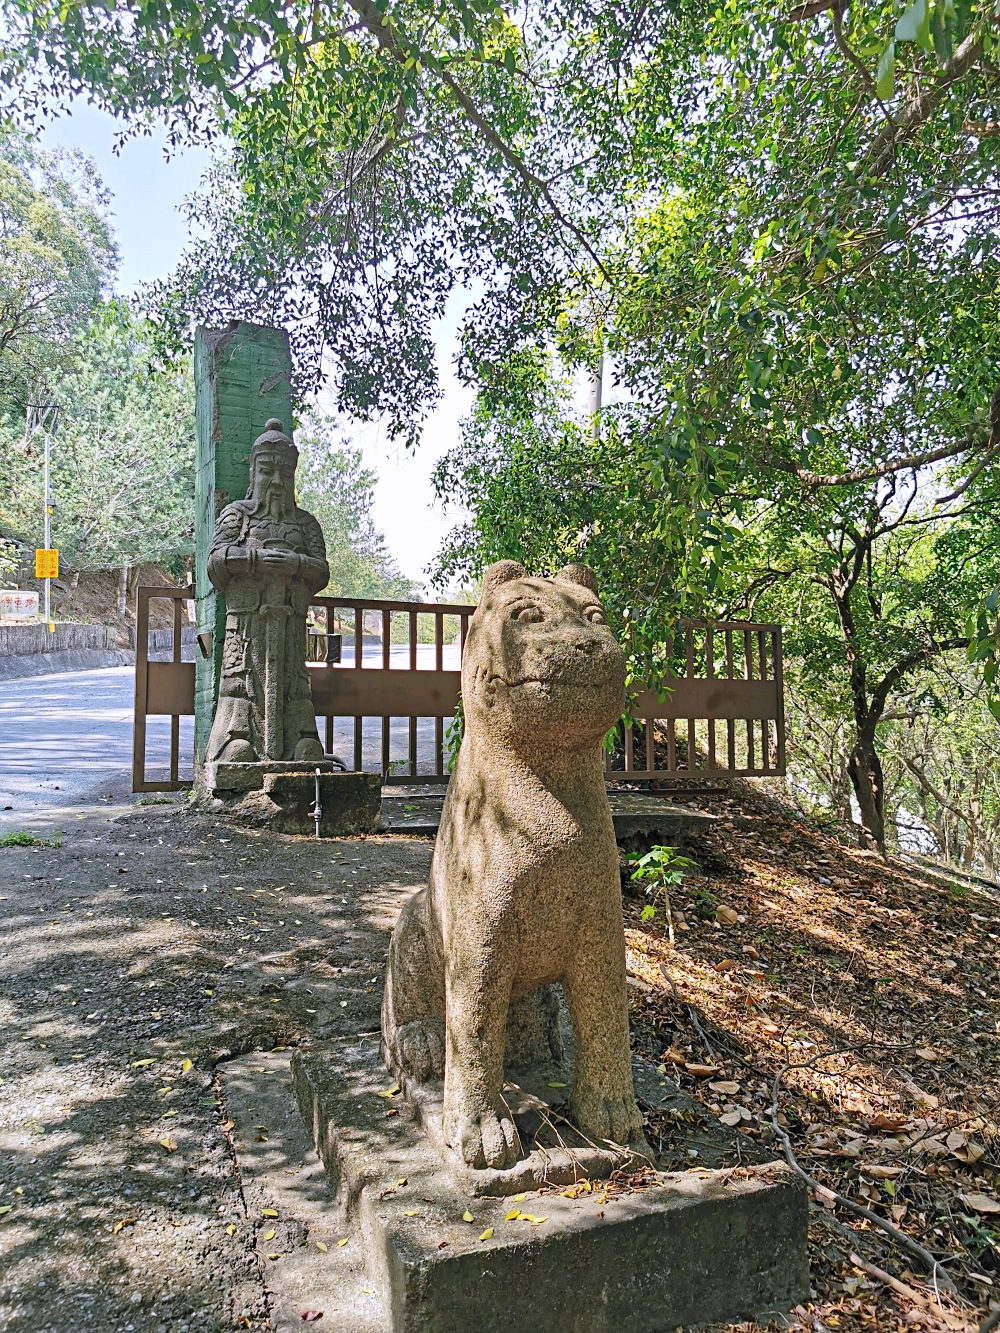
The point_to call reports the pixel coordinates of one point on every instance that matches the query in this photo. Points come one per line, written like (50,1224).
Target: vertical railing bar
(413,640)
(177,630)
(692,749)
(689,651)
(439,746)
(671,745)
(359,627)
(710,674)
(358,747)
(777,669)
(650,745)
(629,742)
(438,640)
(385,724)
(748,675)
(175,721)
(329,734)
(141,685)
(386,639)
(413,747)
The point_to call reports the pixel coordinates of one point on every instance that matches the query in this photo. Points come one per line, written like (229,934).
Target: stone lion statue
(524,886)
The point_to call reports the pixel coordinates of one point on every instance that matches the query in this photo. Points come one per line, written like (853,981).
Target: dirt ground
(813,991)
(138,957)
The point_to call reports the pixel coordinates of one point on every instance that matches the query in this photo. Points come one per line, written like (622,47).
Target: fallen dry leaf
(981,1203)
(310,1316)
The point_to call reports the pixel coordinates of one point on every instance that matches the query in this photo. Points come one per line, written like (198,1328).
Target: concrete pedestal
(646,1254)
(282,795)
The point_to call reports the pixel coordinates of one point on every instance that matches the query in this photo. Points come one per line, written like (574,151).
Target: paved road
(66,740)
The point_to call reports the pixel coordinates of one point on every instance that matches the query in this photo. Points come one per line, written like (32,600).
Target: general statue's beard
(274,504)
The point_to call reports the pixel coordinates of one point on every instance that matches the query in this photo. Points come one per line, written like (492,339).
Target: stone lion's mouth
(544,680)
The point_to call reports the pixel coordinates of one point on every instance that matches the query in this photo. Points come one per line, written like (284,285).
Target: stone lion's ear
(581,574)
(502,572)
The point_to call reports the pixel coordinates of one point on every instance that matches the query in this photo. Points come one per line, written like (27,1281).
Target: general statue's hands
(278,562)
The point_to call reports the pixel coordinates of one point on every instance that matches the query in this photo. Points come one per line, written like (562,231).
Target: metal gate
(162,689)
(388,704)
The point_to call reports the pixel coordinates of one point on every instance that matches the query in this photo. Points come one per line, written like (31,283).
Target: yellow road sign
(46,564)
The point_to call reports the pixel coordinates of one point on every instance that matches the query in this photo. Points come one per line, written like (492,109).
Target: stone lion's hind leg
(413,1003)
(602,1102)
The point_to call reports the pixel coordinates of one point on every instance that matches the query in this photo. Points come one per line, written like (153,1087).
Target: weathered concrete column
(242,378)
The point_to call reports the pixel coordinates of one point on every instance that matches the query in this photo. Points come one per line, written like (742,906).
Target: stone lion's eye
(529,615)
(595,615)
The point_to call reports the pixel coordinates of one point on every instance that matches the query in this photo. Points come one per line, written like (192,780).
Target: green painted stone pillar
(242,377)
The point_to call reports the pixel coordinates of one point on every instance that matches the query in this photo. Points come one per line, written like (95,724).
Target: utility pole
(594,397)
(44,417)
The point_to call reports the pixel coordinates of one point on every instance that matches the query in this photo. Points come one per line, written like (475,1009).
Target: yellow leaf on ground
(467,1216)
(230,1230)
(389,1092)
(487,1234)
(141,1064)
(268,1234)
(341,1243)
(186,1065)
(414,1212)
(513,1215)
(168,1143)
(125,1222)
(520,1198)
(6,1208)
(269,1212)
(322,1246)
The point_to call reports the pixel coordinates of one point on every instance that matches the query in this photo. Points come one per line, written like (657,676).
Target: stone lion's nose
(590,647)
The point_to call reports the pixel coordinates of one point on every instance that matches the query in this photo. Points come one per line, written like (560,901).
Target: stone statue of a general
(268,557)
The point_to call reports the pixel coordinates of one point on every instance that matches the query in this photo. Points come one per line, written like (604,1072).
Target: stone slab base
(671,1249)
(635,814)
(281,796)
(224,778)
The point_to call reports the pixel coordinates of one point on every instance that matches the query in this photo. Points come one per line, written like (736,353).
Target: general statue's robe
(255,597)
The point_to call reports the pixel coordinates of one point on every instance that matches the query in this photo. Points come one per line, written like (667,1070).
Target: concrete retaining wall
(29,640)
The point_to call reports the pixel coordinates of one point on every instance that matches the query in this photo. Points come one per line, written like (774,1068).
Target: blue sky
(148,188)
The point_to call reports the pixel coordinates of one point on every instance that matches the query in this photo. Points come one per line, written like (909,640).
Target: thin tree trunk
(123,590)
(868,781)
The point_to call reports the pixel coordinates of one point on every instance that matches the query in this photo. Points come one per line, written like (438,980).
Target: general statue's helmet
(274,443)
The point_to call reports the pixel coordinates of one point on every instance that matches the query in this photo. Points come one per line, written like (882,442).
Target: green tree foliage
(334,485)
(122,473)
(780,225)
(57,260)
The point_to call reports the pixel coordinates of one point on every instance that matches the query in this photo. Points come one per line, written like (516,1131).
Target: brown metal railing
(720,711)
(353,692)
(164,689)
(725,675)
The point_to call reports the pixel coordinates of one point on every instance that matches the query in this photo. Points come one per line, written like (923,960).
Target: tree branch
(921,107)
(375,24)
(809,478)
(904,666)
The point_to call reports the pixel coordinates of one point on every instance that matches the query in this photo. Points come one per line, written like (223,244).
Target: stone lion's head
(540,660)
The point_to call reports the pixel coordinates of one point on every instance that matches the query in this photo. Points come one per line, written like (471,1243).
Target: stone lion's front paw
(603,1116)
(418,1049)
(486,1139)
